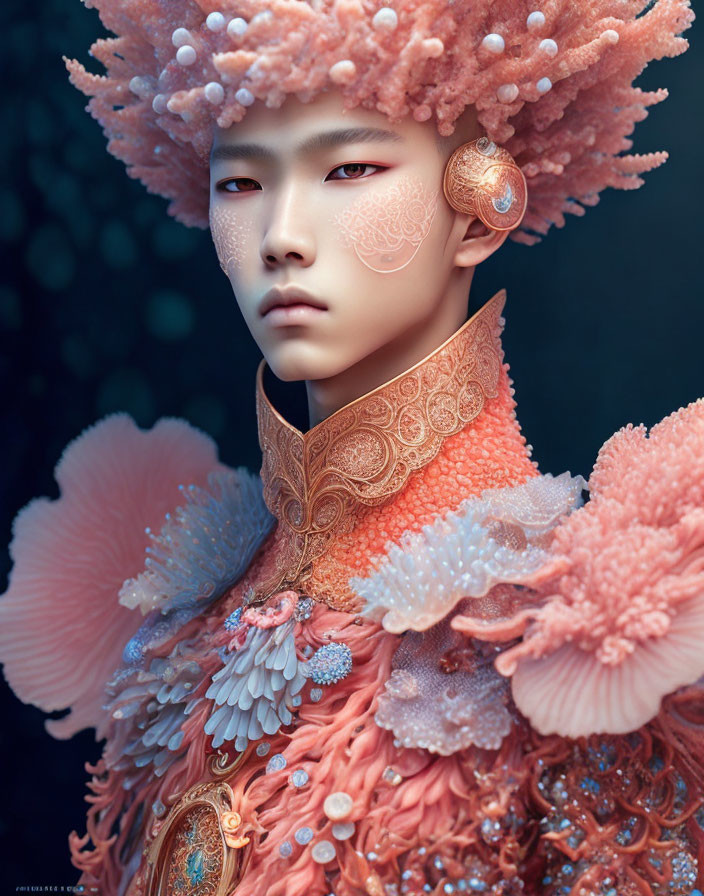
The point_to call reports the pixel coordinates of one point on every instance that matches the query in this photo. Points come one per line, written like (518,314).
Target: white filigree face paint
(229,235)
(385,228)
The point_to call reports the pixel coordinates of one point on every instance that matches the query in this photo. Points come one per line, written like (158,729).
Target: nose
(289,236)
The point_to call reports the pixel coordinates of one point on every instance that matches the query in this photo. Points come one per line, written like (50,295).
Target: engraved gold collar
(362,455)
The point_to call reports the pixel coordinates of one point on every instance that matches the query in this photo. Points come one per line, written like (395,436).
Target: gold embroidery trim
(363,455)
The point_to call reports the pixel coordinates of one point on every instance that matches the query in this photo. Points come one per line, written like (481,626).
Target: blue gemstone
(299,778)
(303,836)
(330,664)
(233,620)
(504,203)
(276,763)
(195,867)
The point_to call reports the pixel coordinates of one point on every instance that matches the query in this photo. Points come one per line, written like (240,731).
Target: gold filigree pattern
(483,179)
(196,858)
(363,455)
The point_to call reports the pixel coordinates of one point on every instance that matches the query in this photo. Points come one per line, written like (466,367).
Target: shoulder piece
(607,601)
(619,618)
(62,629)
(205,546)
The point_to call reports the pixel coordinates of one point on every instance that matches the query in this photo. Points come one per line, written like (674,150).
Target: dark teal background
(106,304)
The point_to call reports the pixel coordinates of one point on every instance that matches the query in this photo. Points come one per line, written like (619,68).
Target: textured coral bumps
(553,85)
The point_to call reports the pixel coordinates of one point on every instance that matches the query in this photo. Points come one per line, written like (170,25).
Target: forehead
(321,124)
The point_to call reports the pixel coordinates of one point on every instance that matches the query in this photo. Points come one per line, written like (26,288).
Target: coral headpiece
(551,81)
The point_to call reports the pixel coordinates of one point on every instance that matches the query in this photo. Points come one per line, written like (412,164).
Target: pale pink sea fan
(560,97)
(620,616)
(62,629)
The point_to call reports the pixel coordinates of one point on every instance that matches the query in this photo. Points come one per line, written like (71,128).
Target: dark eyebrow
(326,140)
(332,139)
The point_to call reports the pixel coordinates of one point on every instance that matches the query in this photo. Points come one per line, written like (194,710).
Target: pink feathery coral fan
(69,565)
(621,620)
(554,85)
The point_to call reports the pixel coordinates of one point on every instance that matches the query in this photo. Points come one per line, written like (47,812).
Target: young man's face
(333,230)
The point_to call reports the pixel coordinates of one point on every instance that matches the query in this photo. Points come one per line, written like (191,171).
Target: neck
(327,396)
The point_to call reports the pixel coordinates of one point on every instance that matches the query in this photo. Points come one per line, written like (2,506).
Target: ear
(478,242)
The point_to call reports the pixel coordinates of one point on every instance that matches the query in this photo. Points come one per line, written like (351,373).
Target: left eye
(353,171)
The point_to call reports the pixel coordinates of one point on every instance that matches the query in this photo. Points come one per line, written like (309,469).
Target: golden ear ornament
(483,179)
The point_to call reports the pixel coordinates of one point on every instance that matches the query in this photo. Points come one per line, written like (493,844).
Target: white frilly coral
(497,537)
(444,693)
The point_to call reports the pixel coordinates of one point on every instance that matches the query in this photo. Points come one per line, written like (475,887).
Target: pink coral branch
(158,118)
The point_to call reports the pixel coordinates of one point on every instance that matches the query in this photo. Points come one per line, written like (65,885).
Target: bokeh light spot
(207,412)
(49,257)
(173,241)
(78,357)
(126,390)
(117,245)
(12,215)
(10,309)
(170,315)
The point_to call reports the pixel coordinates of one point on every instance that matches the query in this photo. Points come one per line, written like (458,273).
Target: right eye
(238,185)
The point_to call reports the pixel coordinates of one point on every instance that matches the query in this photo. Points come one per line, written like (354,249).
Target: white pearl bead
(323,852)
(159,104)
(214,93)
(185,55)
(385,19)
(338,805)
(343,830)
(343,72)
(548,46)
(244,97)
(180,37)
(266,15)
(507,93)
(543,85)
(140,87)
(237,27)
(433,47)
(612,36)
(535,21)
(215,21)
(494,43)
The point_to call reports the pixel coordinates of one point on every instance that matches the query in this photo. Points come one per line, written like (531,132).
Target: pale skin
(324,205)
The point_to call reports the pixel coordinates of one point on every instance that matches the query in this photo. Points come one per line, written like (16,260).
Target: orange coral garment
(442,431)
(460,794)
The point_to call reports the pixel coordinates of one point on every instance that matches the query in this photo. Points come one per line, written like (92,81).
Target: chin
(292,366)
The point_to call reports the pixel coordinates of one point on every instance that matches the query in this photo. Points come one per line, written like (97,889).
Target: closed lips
(286,298)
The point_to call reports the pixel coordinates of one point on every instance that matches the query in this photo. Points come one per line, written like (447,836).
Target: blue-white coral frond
(204,547)
(148,708)
(495,537)
(253,691)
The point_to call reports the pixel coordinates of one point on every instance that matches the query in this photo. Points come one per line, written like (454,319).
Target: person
(404,661)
